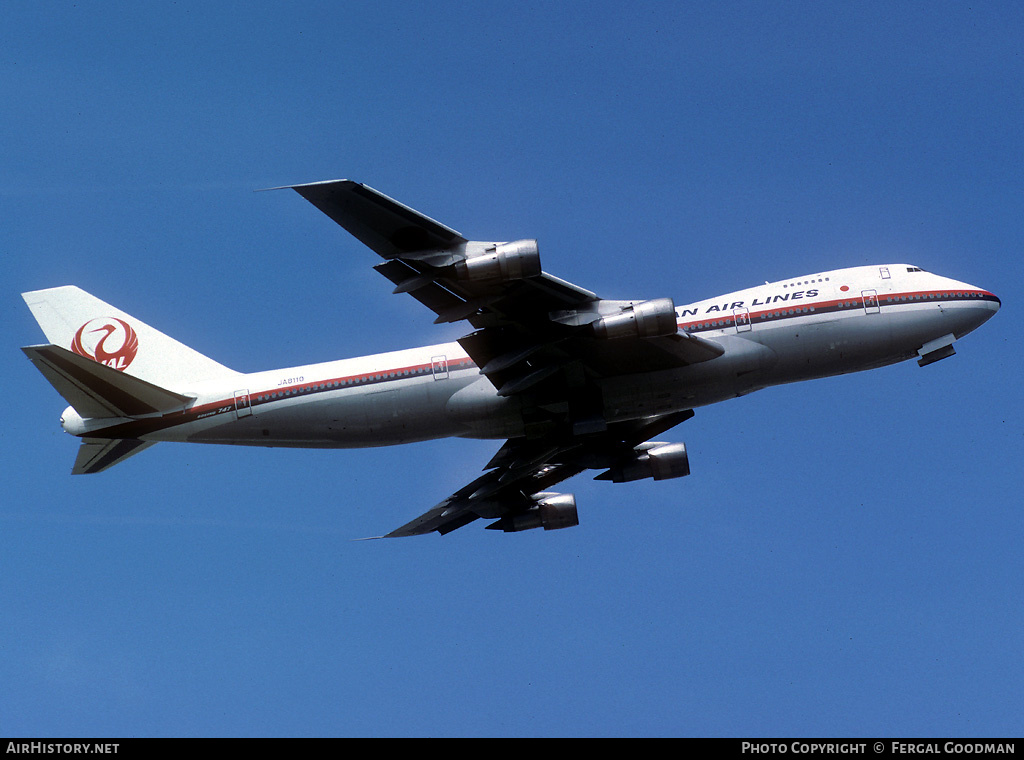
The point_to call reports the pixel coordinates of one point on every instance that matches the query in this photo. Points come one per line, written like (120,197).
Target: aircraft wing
(530,325)
(386,226)
(535,336)
(522,470)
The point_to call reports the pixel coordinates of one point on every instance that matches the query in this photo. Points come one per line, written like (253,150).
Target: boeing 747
(570,380)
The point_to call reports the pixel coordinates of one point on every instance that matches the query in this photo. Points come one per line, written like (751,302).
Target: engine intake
(552,511)
(660,461)
(649,319)
(505,261)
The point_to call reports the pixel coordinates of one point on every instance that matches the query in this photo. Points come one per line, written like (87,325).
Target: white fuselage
(815,326)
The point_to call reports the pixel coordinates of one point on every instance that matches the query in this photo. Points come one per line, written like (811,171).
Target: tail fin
(83,324)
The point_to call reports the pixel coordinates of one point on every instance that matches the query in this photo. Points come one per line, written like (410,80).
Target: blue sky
(845,558)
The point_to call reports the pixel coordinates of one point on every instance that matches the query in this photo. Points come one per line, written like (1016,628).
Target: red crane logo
(108,340)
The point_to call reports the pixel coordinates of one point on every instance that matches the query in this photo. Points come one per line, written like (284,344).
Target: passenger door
(870,301)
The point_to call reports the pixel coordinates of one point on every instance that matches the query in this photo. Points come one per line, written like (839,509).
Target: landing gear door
(243,408)
(741,318)
(870,301)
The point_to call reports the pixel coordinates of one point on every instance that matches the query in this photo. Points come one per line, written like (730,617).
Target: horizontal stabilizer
(98,454)
(96,390)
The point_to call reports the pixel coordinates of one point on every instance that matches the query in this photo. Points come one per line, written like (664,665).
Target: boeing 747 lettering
(570,380)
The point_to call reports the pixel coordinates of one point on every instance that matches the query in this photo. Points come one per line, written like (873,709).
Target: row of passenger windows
(729,322)
(717,323)
(346,383)
(349,382)
(855,304)
(934,296)
(787,312)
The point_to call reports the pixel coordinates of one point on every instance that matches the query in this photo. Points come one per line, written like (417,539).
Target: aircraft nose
(981,307)
(991,300)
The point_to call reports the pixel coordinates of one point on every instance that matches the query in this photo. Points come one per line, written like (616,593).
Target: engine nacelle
(505,261)
(660,461)
(552,511)
(650,319)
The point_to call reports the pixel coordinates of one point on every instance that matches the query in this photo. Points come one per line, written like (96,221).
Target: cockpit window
(914,269)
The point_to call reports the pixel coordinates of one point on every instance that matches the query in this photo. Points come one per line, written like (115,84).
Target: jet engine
(551,511)
(660,461)
(504,261)
(648,319)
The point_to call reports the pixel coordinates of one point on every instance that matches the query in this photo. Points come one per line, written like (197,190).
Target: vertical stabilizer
(85,325)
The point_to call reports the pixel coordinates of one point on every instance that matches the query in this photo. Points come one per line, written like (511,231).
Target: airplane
(570,380)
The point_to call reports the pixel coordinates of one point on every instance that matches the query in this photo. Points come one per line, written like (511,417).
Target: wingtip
(304,184)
